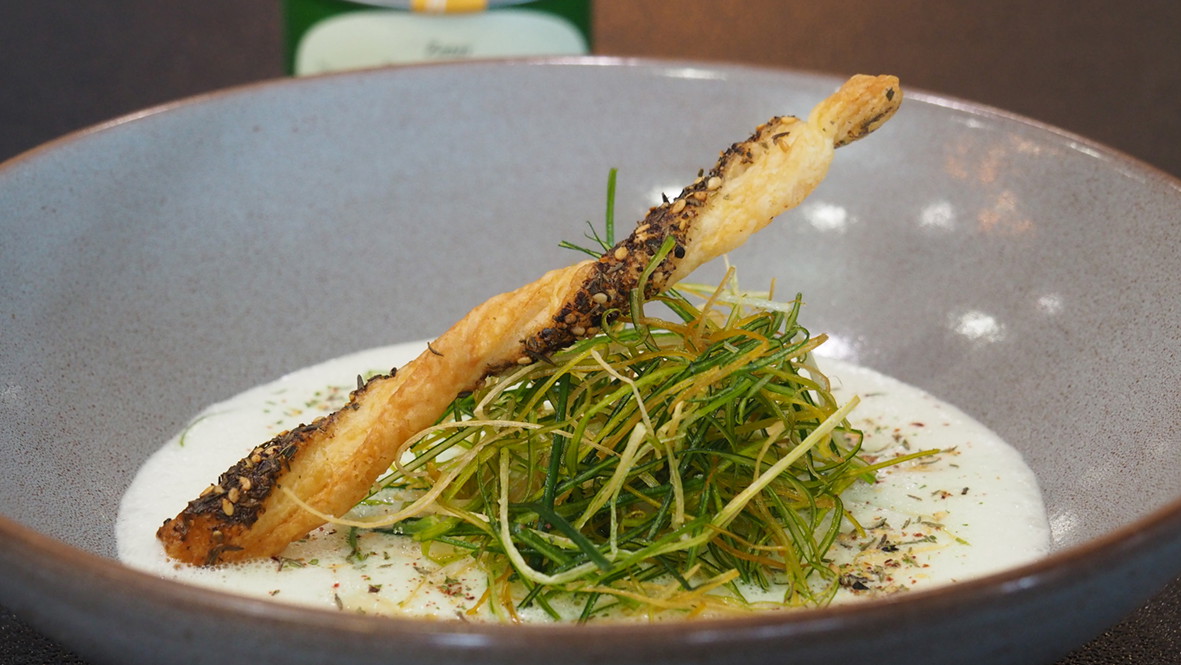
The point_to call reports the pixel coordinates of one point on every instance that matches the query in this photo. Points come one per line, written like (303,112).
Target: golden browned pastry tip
(331,463)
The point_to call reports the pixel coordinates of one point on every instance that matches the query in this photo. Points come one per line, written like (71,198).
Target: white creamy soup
(970,510)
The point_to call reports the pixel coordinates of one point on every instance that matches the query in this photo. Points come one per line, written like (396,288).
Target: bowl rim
(1053,570)
(1037,577)
(1129,164)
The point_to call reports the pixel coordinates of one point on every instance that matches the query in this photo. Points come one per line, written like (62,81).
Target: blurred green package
(334,35)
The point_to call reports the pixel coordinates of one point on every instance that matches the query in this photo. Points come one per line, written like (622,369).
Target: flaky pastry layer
(331,463)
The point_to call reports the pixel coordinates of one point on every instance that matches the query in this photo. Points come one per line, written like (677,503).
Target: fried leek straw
(331,463)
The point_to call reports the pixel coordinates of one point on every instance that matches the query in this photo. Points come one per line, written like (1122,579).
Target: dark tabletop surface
(1108,71)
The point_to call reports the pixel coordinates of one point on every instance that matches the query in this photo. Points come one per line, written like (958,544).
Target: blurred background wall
(1110,71)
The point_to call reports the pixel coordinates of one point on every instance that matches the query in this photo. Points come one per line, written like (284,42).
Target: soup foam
(970,510)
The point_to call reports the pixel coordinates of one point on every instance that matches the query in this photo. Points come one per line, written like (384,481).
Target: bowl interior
(167,261)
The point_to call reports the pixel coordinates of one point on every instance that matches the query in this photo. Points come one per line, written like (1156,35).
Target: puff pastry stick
(331,463)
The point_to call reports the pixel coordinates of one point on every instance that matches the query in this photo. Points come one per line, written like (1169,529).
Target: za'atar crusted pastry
(257,507)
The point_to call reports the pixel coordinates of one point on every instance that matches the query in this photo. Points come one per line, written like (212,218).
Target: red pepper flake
(452,587)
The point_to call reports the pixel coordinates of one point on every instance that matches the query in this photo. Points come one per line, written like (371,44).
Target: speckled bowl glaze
(167,260)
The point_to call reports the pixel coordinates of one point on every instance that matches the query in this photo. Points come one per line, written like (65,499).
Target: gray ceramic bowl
(167,260)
